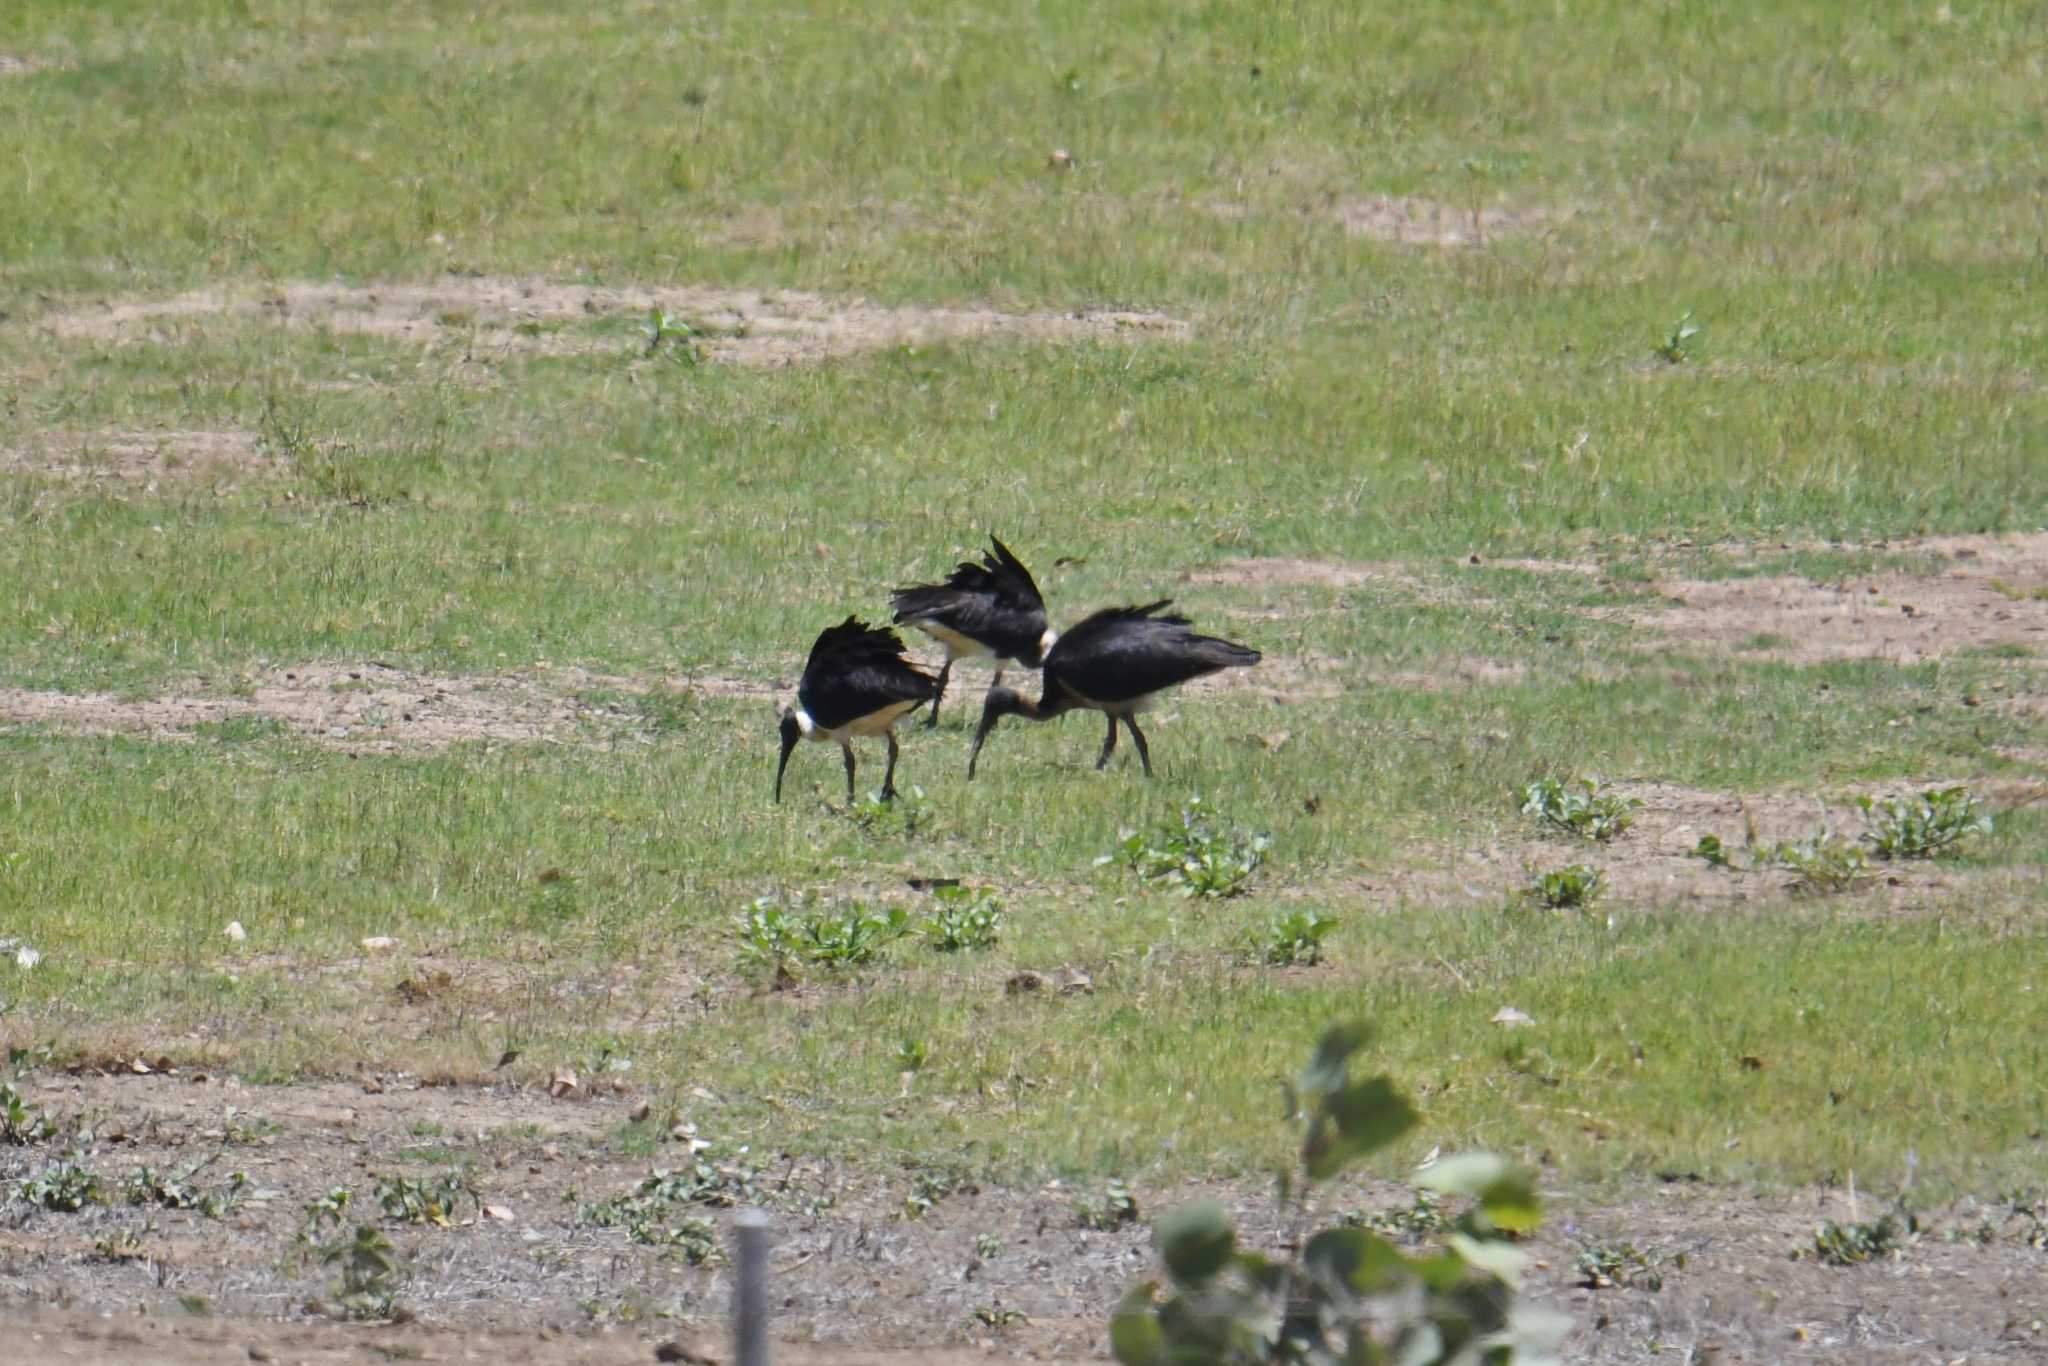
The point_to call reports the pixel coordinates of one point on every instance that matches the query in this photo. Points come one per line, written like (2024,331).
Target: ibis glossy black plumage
(988,610)
(1116,662)
(856,683)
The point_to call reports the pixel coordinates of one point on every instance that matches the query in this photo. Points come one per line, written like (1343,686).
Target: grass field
(376,567)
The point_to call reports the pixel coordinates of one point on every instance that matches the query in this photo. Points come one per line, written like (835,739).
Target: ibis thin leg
(889,778)
(1108,746)
(847,750)
(945,671)
(1144,750)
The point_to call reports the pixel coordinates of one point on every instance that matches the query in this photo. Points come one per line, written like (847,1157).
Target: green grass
(1819,187)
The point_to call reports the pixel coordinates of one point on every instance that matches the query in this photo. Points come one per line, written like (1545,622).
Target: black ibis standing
(857,682)
(1116,662)
(987,610)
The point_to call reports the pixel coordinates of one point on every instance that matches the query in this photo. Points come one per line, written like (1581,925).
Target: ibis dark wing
(1012,579)
(856,669)
(1122,653)
(995,602)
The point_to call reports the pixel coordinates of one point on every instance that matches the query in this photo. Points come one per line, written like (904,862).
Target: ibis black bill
(791,733)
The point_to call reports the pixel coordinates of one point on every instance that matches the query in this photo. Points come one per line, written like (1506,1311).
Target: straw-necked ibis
(989,610)
(1116,662)
(857,682)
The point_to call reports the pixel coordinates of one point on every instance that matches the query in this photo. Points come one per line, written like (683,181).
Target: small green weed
(928,1186)
(1409,1223)
(1853,1244)
(1195,857)
(648,1212)
(416,1200)
(64,1188)
(147,1186)
(1294,937)
(1674,348)
(22,1123)
(1822,863)
(903,816)
(1605,1266)
(967,918)
(1581,808)
(122,1244)
(675,333)
(369,1272)
(1572,887)
(1112,1209)
(326,1212)
(1926,826)
(771,939)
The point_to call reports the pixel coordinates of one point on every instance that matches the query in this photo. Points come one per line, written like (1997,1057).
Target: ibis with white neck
(990,610)
(1116,662)
(856,683)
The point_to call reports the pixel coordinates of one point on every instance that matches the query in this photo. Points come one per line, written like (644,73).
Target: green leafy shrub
(1823,862)
(772,939)
(1582,808)
(147,1186)
(1853,1244)
(369,1272)
(1113,1209)
(1571,887)
(63,1188)
(1606,1266)
(1349,1295)
(21,1122)
(1294,937)
(416,1200)
(966,918)
(1926,826)
(1195,857)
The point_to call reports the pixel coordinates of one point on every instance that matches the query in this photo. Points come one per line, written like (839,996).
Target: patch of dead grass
(1419,222)
(504,316)
(140,456)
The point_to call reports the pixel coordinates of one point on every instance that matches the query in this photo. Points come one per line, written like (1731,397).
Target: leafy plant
(416,1200)
(1195,857)
(122,1244)
(1411,1223)
(1292,937)
(967,918)
(649,1212)
(681,337)
(1582,808)
(903,816)
(1926,826)
(1823,862)
(369,1272)
(927,1188)
(64,1188)
(147,1186)
(1852,1244)
(1604,1266)
(1349,1295)
(327,1211)
(21,1122)
(1673,348)
(1114,1208)
(772,939)
(1571,887)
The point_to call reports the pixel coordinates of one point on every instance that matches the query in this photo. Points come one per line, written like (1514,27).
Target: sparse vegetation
(1569,888)
(147,1186)
(1926,826)
(1195,856)
(1582,808)
(63,1188)
(967,918)
(773,940)
(1111,1209)
(416,1200)
(22,1122)
(1292,938)
(1607,1266)
(370,1274)
(1852,1244)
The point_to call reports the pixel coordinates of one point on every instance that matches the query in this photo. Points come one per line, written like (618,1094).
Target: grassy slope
(1849,204)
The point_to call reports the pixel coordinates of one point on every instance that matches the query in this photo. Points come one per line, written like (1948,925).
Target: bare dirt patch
(743,326)
(1432,223)
(522,1275)
(140,456)
(1269,572)
(1993,593)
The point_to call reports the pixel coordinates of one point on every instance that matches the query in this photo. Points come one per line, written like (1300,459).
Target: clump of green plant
(1604,1266)
(1855,1243)
(650,1212)
(1823,862)
(1349,1294)
(775,940)
(1195,857)
(1674,349)
(22,1122)
(903,816)
(326,1212)
(1410,1223)
(1926,826)
(1572,887)
(147,1186)
(1582,808)
(1112,1209)
(63,1188)
(928,1186)
(369,1272)
(418,1200)
(1293,937)
(676,333)
(966,918)
(122,1244)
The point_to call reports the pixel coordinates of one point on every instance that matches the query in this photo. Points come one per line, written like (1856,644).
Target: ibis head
(792,731)
(1000,702)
